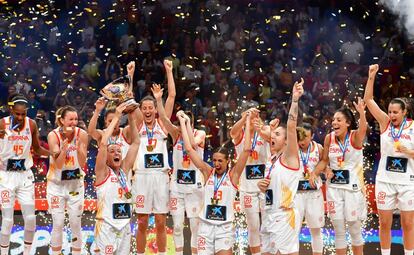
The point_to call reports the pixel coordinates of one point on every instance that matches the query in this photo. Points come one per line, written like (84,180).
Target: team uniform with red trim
(150,184)
(252,174)
(65,186)
(186,186)
(345,191)
(16,176)
(394,185)
(309,201)
(112,229)
(215,232)
(281,222)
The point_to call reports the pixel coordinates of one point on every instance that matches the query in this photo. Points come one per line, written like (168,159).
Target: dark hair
(109,111)
(223,150)
(148,98)
(349,116)
(17,99)
(191,115)
(61,113)
(409,105)
(308,127)
(400,101)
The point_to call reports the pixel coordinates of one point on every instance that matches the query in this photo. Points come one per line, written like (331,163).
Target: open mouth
(117,159)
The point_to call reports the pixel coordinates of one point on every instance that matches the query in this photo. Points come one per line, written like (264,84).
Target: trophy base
(131,105)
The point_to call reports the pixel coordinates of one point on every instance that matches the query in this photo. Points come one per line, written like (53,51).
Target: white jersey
(396,167)
(112,205)
(312,161)
(255,167)
(121,141)
(282,188)
(15,151)
(71,169)
(152,154)
(186,177)
(223,211)
(348,174)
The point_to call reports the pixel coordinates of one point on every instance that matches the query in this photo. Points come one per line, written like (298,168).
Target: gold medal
(306,175)
(150,147)
(255,155)
(397,145)
(128,195)
(186,163)
(340,162)
(214,201)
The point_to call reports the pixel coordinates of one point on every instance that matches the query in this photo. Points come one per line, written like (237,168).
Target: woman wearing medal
(280,219)
(215,231)
(309,201)
(112,229)
(65,188)
(150,184)
(254,171)
(345,192)
(186,186)
(394,184)
(18,134)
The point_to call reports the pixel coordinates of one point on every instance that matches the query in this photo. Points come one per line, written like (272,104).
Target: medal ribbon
(344,146)
(11,124)
(271,167)
(185,155)
(217,183)
(122,180)
(255,136)
(305,159)
(150,134)
(397,136)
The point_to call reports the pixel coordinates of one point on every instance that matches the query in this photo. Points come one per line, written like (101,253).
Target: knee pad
(194,230)
(253,225)
(178,230)
(29,217)
(340,234)
(6,221)
(317,242)
(57,229)
(76,228)
(355,233)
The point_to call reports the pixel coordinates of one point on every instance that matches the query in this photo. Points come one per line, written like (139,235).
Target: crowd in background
(228,56)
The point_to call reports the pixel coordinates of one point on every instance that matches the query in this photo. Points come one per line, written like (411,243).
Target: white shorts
(214,238)
(346,205)
(16,184)
(109,240)
(391,196)
(310,205)
(191,203)
(67,194)
(280,232)
(151,192)
(251,202)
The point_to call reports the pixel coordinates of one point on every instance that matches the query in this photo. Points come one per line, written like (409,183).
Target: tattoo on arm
(293,113)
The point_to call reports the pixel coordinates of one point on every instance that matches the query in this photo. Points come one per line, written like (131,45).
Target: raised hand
(373,69)
(297,91)
(157,91)
(100,104)
(168,65)
(360,106)
(120,109)
(131,68)
(274,123)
